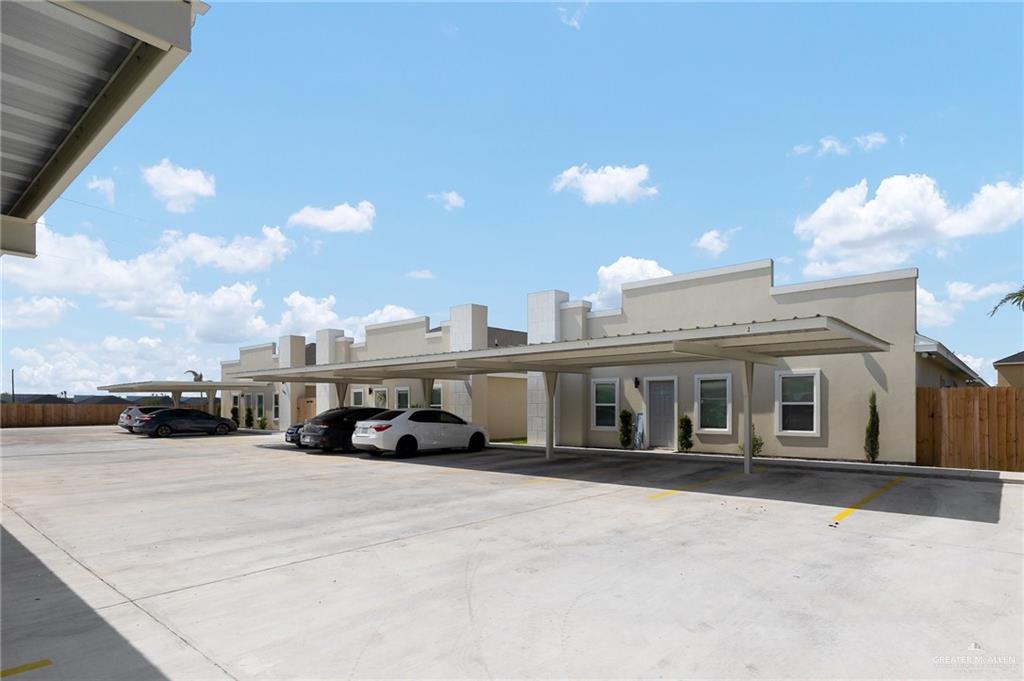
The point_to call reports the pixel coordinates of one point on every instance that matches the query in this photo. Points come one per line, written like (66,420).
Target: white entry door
(661,409)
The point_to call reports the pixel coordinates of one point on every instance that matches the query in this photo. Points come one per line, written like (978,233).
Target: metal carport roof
(72,72)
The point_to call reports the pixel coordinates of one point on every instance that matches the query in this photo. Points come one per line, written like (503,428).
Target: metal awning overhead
(72,72)
(181,386)
(758,342)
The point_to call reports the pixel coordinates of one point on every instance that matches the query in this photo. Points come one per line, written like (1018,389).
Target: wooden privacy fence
(971,428)
(29,415)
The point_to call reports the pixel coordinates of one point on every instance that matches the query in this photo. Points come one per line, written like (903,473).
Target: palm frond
(1015,298)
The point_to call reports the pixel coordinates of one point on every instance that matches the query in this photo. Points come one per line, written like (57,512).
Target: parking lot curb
(972,475)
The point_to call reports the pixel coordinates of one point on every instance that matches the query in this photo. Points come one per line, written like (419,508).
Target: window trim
(779,375)
(362,398)
(408,396)
(728,404)
(593,403)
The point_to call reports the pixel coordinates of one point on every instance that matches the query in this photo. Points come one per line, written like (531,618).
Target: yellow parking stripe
(867,500)
(698,485)
(38,664)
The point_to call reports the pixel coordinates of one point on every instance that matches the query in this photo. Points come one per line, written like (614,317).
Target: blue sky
(470,148)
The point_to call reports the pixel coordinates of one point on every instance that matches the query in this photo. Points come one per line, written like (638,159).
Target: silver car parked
(129,417)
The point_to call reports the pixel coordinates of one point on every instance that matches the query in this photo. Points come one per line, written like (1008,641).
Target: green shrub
(626,427)
(685,433)
(262,423)
(757,444)
(234,415)
(871,432)
(248,417)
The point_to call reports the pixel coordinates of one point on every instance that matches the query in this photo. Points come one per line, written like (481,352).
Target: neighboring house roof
(1015,358)
(100,399)
(503,338)
(35,398)
(943,354)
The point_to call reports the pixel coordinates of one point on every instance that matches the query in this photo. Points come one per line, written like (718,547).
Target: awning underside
(759,342)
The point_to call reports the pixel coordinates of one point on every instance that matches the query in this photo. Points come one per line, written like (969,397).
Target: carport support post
(427,385)
(176,398)
(342,389)
(210,397)
(550,383)
(748,417)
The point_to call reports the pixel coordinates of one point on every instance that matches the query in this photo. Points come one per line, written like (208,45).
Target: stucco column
(211,396)
(291,352)
(748,417)
(176,398)
(550,385)
(427,385)
(341,390)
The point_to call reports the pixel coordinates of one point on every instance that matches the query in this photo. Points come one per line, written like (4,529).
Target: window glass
(402,398)
(435,397)
(259,405)
(445,417)
(277,405)
(604,404)
(234,400)
(386,415)
(426,416)
(357,398)
(798,388)
(714,404)
(380,397)
(796,402)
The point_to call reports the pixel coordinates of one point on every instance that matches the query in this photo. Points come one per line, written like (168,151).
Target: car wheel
(130,429)
(222,429)
(476,442)
(406,446)
(163,431)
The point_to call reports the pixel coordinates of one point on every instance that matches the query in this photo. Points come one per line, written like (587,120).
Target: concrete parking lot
(240,557)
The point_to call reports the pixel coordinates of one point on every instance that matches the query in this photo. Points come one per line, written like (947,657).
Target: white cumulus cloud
(304,315)
(961,291)
(610,279)
(574,18)
(715,241)
(240,254)
(832,145)
(607,184)
(104,186)
(979,364)
(420,274)
(341,218)
(450,200)
(37,312)
(850,232)
(935,311)
(178,188)
(870,141)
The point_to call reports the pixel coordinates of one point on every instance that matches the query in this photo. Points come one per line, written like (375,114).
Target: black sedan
(333,429)
(169,421)
(294,434)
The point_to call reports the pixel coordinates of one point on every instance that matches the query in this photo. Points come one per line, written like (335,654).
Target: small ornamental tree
(262,423)
(757,444)
(685,433)
(248,417)
(626,428)
(234,415)
(871,432)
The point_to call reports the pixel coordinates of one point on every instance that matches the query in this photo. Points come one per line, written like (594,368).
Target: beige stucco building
(1010,371)
(806,357)
(497,401)
(812,406)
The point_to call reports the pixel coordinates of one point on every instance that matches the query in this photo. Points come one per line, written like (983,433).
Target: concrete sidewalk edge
(1006,477)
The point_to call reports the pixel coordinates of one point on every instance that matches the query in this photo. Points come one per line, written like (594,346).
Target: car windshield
(387,415)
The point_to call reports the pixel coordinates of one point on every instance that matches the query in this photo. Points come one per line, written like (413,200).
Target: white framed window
(259,405)
(380,397)
(604,403)
(712,403)
(277,405)
(402,397)
(357,397)
(234,400)
(435,397)
(798,402)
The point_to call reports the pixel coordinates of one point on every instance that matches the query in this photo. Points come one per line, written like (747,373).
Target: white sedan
(406,431)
